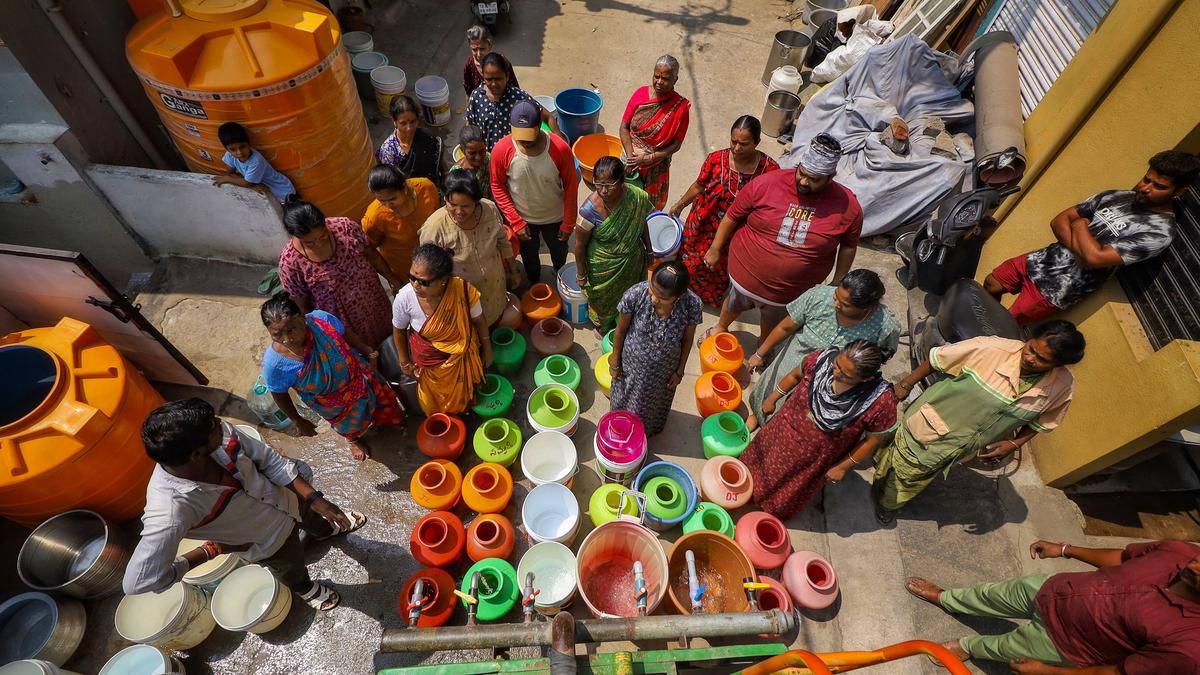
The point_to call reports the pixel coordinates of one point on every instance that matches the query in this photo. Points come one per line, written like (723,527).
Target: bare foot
(957,650)
(710,331)
(751,422)
(359,451)
(924,589)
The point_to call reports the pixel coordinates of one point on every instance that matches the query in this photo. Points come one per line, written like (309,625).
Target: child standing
(248,168)
(401,207)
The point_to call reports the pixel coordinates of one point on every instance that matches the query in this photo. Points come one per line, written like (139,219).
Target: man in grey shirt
(1106,231)
(216,484)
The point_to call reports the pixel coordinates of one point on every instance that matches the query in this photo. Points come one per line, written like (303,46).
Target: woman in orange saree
(653,127)
(440,334)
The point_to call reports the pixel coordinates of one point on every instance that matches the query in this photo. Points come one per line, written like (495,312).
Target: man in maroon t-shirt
(785,231)
(1137,614)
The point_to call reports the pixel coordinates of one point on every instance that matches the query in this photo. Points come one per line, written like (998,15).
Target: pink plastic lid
(621,436)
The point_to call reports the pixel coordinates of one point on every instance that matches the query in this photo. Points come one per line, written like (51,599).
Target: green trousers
(1013,599)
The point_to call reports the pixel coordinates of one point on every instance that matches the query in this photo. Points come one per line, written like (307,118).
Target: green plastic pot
(508,350)
(665,499)
(557,369)
(498,440)
(709,516)
(602,506)
(724,434)
(497,591)
(606,343)
(493,397)
(553,407)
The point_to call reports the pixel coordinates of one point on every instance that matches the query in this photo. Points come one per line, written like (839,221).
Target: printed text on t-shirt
(793,229)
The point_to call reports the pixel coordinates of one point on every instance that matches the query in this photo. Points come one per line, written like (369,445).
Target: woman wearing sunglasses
(611,240)
(439,330)
(329,265)
(470,227)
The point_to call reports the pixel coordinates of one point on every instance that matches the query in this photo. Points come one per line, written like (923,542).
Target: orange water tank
(277,67)
(71,413)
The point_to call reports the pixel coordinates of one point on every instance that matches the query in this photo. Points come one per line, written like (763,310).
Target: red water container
(491,535)
(438,539)
(442,436)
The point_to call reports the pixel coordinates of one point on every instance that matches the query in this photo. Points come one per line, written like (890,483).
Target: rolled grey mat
(998,121)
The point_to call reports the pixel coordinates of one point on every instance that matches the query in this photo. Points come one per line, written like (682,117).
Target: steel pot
(78,553)
(39,626)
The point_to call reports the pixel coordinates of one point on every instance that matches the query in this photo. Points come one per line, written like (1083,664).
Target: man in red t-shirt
(785,231)
(1137,614)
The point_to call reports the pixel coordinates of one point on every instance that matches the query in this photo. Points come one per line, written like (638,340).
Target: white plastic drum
(549,457)
(177,618)
(551,513)
(554,575)
(142,660)
(208,575)
(574,301)
(251,599)
(666,233)
(33,667)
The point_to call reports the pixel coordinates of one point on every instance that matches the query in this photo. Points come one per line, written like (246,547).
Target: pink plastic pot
(775,597)
(726,482)
(764,539)
(810,580)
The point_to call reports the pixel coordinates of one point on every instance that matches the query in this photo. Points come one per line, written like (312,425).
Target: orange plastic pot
(491,535)
(438,539)
(487,488)
(717,391)
(511,317)
(441,436)
(437,597)
(540,302)
(437,485)
(721,565)
(721,352)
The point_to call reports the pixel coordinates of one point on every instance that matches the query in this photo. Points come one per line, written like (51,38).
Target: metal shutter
(1049,33)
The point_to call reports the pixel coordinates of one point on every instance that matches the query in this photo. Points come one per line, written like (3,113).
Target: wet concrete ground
(969,528)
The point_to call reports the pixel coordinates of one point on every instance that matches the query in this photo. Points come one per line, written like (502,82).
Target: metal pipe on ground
(483,636)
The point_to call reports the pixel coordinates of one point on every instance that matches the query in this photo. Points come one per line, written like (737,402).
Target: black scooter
(945,303)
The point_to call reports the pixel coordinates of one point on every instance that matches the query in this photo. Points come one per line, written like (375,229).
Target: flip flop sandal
(321,597)
(918,596)
(708,332)
(357,520)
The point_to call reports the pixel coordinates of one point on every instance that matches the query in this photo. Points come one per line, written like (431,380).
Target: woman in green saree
(611,241)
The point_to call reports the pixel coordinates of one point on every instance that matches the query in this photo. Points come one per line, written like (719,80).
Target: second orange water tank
(275,66)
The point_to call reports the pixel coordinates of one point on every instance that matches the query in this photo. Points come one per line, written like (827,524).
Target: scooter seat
(968,311)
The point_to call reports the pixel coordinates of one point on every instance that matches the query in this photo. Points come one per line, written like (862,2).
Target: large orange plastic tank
(278,68)
(71,413)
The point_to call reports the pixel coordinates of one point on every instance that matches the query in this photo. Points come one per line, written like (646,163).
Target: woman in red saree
(332,370)
(653,128)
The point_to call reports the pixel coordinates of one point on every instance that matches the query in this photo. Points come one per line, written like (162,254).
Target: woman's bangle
(780,391)
(1063,552)
(853,462)
(1016,445)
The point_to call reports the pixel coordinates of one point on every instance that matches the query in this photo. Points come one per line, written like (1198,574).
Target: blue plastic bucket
(578,112)
(679,475)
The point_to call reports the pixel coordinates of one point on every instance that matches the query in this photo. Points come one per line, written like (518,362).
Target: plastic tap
(752,587)
(528,596)
(414,603)
(695,590)
(639,587)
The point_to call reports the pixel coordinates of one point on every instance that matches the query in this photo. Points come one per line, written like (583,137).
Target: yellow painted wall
(1131,91)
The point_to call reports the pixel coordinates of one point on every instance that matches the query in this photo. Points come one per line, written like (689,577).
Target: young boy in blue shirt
(248,168)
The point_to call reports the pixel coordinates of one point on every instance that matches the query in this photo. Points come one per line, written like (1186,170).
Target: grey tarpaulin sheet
(902,78)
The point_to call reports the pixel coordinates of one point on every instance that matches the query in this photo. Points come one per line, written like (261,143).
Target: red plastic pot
(438,539)
(491,535)
(764,538)
(441,436)
(437,597)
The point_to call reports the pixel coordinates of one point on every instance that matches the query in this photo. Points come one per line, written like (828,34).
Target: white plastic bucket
(33,667)
(208,574)
(358,41)
(666,233)
(389,82)
(549,457)
(554,574)
(433,93)
(616,472)
(142,660)
(554,390)
(551,513)
(251,599)
(177,618)
(574,301)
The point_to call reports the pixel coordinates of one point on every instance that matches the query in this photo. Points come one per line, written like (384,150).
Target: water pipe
(414,603)
(752,587)
(695,590)
(562,645)
(528,595)
(639,587)
(54,12)
(657,627)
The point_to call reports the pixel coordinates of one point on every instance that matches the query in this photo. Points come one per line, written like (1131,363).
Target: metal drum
(780,113)
(789,49)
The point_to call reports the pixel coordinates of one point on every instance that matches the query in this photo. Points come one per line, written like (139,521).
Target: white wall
(184,214)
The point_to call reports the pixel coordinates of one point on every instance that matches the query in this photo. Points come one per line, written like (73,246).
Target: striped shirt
(255,507)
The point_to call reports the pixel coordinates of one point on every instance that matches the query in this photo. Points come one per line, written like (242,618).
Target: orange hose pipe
(841,662)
